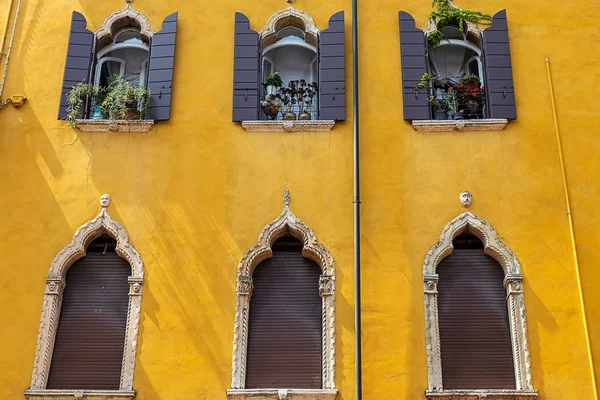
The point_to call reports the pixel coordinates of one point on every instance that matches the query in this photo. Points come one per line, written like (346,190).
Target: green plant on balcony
(445,13)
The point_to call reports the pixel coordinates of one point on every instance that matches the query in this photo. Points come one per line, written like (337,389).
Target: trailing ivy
(445,13)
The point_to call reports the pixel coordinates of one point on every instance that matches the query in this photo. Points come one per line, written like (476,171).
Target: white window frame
(55,285)
(101,62)
(493,247)
(286,222)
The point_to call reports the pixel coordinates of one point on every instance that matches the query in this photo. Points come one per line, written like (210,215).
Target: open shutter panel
(475,338)
(284,336)
(246,59)
(413,56)
(160,70)
(332,70)
(79,59)
(498,70)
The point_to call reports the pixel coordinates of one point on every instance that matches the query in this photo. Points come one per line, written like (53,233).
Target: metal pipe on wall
(12,37)
(10,5)
(355,118)
(572,233)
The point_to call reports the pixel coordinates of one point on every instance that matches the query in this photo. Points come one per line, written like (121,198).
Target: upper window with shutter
(290,70)
(125,52)
(475,316)
(91,311)
(455,70)
(284,340)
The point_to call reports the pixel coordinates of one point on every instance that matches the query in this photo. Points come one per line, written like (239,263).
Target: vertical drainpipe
(355,118)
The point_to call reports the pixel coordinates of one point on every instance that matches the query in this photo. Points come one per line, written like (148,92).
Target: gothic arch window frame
(55,285)
(493,246)
(312,249)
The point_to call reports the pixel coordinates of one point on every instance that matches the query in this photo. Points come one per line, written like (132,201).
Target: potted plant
(289,99)
(272,83)
(470,96)
(271,105)
(440,107)
(75,101)
(124,100)
(306,94)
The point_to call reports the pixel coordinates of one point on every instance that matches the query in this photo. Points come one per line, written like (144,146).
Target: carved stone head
(465,198)
(105,200)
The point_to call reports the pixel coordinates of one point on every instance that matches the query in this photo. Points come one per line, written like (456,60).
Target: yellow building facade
(194,193)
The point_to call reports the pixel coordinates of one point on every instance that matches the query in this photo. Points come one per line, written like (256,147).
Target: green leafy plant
(445,13)
(274,80)
(124,100)
(425,81)
(76,99)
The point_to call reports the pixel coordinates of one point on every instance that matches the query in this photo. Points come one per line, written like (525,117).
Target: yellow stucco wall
(195,192)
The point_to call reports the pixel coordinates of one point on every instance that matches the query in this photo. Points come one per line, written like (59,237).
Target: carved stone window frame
(284,223)
(468,222)
(55,285)
(120,19)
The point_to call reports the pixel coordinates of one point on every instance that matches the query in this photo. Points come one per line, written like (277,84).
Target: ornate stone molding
(55,284)
(284,223)
(516,307)
(289,17)
(282,394)
(482,395)
(463,125)
(79,394)
(289,126)
(121,19)
(105,125)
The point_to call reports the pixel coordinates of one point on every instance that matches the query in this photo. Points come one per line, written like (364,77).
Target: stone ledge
(105,125)
(289,126)
(52,394)
(432,125)
(508,394)
(282,394)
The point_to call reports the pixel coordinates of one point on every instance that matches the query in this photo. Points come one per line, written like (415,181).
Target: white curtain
(448,63)
(134,61)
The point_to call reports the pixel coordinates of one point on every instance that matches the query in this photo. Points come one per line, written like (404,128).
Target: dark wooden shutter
(284,343)
(498,69)
(79,59)
(413,57)
(160,70)
(473,316)
(88,350)
(246,75)
(332,70)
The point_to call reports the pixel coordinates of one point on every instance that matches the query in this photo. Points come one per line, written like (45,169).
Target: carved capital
(54,285)
(513,284)
(244,285)
(326,285)
(430,283)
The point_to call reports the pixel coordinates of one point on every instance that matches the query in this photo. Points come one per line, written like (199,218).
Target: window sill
(281,394)
(508,394)
(52,394)
(105,125)
(289,126)
(459,125)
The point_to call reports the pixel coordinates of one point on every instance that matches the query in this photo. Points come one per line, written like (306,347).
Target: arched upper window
(475,315)
(91,312)
(125,45)
(284,333)
(309,62)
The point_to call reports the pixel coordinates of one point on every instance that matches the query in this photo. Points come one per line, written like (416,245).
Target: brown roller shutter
(284,343)
(91,331)
(473,317)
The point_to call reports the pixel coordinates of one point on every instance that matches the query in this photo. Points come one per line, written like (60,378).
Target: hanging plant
(445,13)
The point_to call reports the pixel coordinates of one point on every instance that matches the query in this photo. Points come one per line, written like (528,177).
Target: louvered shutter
(332,70)
(79,59)
(160,70)
(246,76)
(498,69)
(88,349)
(413,57)
(284,342)
(475,341)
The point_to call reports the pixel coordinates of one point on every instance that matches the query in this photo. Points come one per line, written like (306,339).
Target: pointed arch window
(285,292)
(476,328)
(91,311)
